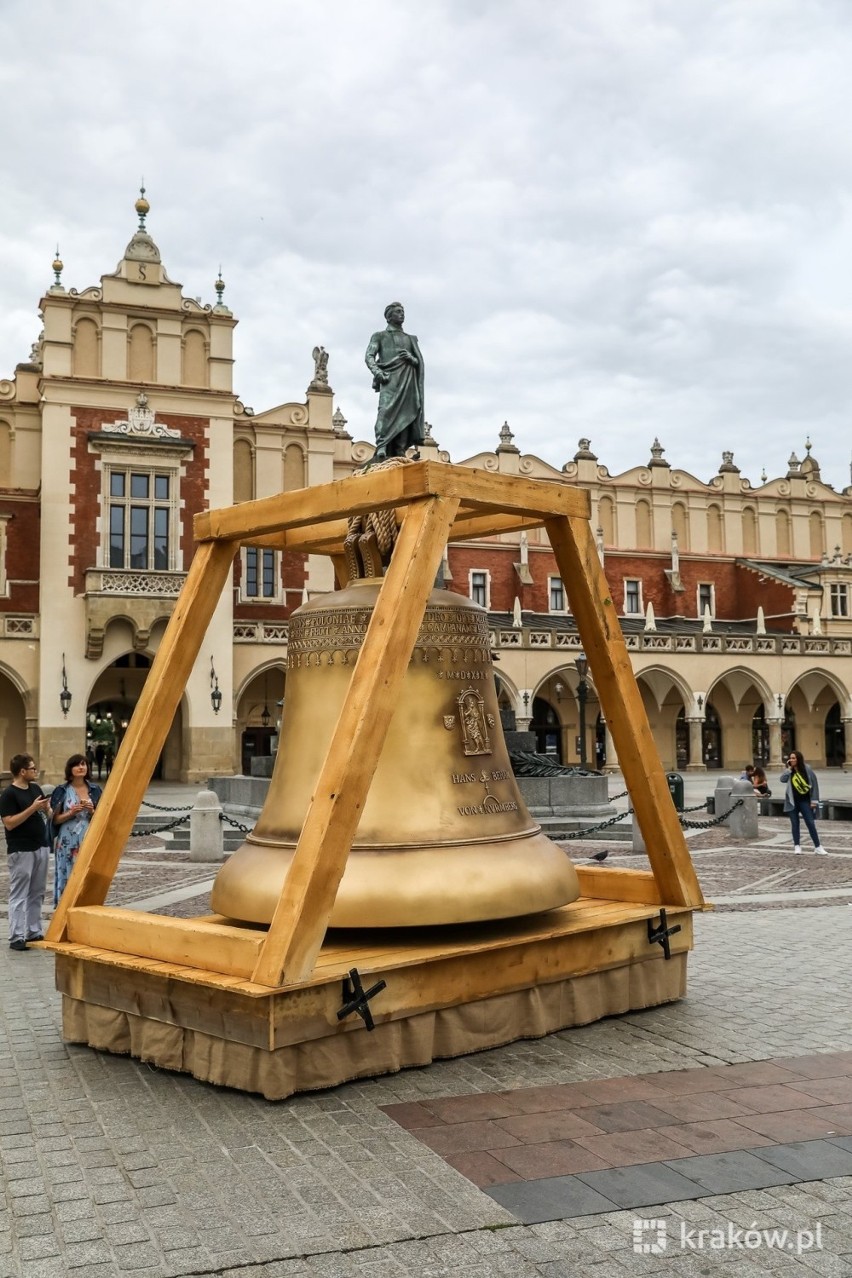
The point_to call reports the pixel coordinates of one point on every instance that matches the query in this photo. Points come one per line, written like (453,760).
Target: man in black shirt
(21,807)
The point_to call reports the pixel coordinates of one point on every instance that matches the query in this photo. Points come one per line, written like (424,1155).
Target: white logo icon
(649,1237)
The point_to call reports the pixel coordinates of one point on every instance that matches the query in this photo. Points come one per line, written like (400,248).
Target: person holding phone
(801,800)
(72,804)
(23,809)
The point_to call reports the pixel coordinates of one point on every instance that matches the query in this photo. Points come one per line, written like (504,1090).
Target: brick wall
(738,591)
(294,571)
(23,570)
(86,478)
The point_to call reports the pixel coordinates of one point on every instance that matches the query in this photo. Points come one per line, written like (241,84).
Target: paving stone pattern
(111,1167)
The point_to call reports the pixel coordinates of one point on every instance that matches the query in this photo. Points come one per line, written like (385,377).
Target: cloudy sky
(616,220)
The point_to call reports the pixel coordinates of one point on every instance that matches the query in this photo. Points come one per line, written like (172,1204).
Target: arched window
(847,535)
(606,520)
(749,531)
(86,349)
(243,471)
(194,358)
(140,354)
(783,545)
(6,452)
(294,468)
(715,539)
(817,533)
(680,525)
(643,524)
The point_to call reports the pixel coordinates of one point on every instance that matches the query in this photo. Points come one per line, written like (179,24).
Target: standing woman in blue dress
(72,805)
(801,799)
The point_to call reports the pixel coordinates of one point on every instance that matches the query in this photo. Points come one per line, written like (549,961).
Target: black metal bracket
(357,999)
(660,932)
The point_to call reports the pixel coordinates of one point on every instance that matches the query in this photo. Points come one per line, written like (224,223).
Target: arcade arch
(259,711)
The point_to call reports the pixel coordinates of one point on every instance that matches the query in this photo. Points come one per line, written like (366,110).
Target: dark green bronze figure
(394,359)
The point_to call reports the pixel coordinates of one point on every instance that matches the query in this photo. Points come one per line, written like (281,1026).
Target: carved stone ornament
(140,422)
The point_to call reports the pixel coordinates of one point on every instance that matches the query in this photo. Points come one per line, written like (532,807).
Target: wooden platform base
(449,992)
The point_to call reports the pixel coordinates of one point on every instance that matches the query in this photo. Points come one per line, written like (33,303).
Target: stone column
(775,759)
(206,837)
(696,753)
(611,752)
(847,739)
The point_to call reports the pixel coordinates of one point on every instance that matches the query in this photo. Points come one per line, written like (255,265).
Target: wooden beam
(310,887)
(637,886)
(600,631)
(378,489)
(474,523)
(146,735)
(214,947)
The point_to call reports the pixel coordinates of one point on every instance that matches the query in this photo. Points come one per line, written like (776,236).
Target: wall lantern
(65,694)
(215,693)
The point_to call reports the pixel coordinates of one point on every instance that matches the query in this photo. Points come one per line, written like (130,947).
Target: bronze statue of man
(394,359)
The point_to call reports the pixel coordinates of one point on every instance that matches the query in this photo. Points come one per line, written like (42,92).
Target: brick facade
(86,477)
(23,569)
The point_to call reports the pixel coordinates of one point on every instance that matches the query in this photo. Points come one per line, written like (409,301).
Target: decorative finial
(338,421)
(808,445)
(657,458)
(506,435)
(763,476)
(142,206)
(219,287)
(57,269)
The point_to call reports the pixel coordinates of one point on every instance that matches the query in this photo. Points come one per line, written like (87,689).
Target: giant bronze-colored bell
(444,836)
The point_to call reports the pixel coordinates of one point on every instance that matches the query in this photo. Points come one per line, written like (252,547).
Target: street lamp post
(582,664)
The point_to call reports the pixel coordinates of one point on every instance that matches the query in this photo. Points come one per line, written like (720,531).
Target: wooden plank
(473,523)
(381,488)
(458,979)
(309,1013)
(500,493)
(358,494)
(146,735)
(189,942)
(600,631)
(159,996)
(638,886)
(313,877)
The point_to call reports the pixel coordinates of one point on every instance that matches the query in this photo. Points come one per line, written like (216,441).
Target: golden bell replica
(444,836)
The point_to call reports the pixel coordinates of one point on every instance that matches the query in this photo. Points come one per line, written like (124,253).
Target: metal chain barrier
(708,825)
(243,829)
(147,804)
(622,795)
(160,829)
(565,835)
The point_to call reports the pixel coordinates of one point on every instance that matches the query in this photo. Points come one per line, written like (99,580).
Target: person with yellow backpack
(801,800)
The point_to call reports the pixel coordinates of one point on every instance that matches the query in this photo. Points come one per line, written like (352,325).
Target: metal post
(582,664)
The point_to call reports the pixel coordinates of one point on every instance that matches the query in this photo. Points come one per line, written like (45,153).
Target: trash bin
(675,783)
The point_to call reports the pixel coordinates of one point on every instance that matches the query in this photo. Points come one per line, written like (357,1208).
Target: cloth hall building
(123,424)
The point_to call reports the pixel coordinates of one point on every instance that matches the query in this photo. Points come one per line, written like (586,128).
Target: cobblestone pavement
(112,1167)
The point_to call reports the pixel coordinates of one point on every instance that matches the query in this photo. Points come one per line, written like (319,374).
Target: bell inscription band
(444,836)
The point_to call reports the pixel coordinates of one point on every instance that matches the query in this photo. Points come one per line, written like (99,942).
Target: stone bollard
(722,796)
(636,834)
(206,837)
(742,820)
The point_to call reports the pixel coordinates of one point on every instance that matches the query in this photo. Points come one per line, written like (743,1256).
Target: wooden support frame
(436,503)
